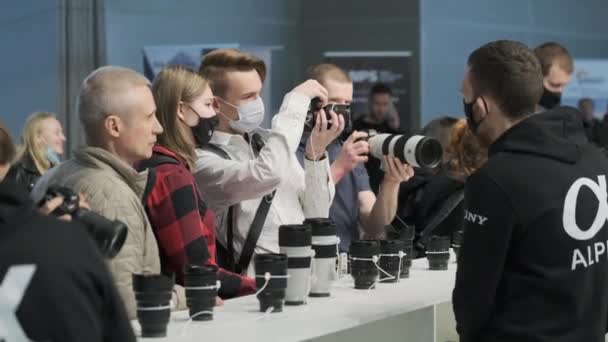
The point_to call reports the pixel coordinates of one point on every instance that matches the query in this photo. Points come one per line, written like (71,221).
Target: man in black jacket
(54,285)
(532,266)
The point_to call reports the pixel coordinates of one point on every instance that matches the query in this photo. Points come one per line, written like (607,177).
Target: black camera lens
(408,248)
(321,226)
(406,234)
(457,241)
(362,268)
(153,296)
(274,291)
(429,152)
(200,283)
(390,261)
(109,236)
(295,235)
(438,252)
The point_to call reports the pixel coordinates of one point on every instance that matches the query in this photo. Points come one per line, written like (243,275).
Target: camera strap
(255,229)
(448,206)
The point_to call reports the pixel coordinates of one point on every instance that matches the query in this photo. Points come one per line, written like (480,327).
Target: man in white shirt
(247,177)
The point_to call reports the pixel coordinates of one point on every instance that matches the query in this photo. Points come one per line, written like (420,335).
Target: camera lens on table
(273,293)
(438,252)
(362,268)
(153,297)
(201,285)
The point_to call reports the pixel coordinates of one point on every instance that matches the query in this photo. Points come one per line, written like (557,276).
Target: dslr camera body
(109,236)
(340,109)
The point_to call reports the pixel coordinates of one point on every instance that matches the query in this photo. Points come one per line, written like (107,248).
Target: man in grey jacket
(117,112)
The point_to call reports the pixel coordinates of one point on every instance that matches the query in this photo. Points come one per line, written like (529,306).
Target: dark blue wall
(29,60)
(133,24)
(451,30)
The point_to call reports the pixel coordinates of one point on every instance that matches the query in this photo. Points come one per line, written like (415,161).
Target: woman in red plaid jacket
(183,225)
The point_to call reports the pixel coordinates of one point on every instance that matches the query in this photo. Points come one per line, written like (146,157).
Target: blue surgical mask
(52,156)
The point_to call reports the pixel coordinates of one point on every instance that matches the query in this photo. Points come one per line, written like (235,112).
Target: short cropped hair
(105,92)
(380,88)
(550,53)
(509,72)
(327,71)
(585,99)
(218,62)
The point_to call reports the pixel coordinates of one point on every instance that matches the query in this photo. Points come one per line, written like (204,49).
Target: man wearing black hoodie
(54,285)
(532,266)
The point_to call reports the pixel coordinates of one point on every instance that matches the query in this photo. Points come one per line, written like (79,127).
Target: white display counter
(417,309)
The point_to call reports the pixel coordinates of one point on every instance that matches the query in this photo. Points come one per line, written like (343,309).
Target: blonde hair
(105,91)
(328,71)
(551,53)
(30,138)
(172,85)
(218,62)
(465,154)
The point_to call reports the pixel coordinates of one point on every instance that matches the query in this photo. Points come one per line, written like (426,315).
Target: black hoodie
(534,262)
(54,283)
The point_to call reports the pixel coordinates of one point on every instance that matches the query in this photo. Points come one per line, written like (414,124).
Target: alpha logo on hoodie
(592,253)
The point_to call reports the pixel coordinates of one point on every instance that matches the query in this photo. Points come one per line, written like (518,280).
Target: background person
(43,145)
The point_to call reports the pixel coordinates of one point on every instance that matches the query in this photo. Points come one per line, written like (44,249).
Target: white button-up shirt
(244,180)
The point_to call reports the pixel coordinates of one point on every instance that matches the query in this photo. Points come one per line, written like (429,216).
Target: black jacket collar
(556,134)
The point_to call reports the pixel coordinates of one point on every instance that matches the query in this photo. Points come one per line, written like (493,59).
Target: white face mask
(251,115)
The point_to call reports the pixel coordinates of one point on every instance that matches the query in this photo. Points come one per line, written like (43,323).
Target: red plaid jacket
(184,227)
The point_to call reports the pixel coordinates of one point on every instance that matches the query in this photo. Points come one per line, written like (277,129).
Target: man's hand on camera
(312,89)
(50,206)
(354,151)
(396,172)
(322,135)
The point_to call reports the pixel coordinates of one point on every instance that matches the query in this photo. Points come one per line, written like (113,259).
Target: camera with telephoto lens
(415,150)
(109,236)
(339,109)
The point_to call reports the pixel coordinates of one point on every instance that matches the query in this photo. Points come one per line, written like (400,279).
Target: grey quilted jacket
(114,189)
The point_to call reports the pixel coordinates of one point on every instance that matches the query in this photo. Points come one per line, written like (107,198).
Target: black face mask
(468,112)
(550,99)
(204,130)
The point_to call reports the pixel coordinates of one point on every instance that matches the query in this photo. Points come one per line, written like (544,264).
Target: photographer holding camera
(355,204)
(250,176)
(116,109)
(532,266)
(54,284)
